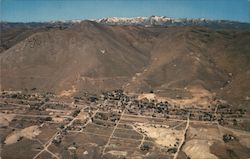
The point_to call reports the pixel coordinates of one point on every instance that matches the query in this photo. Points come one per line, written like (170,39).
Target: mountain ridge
(170,61)
(145,21)
(163,21)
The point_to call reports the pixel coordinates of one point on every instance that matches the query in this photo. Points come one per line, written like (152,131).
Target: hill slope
(84,53)
(173,62)
(189,57)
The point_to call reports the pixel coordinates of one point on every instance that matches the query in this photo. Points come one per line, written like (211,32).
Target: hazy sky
(47,10)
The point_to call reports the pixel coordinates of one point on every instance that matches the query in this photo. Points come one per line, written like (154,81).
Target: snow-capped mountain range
(152,21)
(163,21)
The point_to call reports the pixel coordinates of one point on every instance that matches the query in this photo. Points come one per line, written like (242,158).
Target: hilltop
(176,62)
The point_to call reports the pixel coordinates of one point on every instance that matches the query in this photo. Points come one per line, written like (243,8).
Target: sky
(48,10)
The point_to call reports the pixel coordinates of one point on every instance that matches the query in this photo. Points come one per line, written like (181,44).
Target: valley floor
(114,125)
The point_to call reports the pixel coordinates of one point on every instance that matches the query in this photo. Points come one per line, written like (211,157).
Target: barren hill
(172,61)
(87,53)
(187,57)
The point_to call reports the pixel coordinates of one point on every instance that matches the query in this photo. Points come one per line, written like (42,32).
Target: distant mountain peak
(150,21)
(164,21)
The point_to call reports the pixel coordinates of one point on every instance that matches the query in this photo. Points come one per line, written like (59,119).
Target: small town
(110,125)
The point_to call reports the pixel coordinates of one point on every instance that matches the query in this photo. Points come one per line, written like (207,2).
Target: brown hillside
(169,61)
(85,54)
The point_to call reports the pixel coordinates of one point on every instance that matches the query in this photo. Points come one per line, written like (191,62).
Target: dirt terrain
(115,125)
(175,62)
(96,91)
